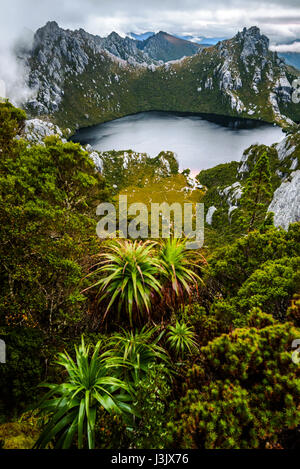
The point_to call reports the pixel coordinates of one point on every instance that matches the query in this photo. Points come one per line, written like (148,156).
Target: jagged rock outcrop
(253,43)
(35,130)
(57,53)
(285,156)
(209,214)
(286,201)
(284,159)
(232,194)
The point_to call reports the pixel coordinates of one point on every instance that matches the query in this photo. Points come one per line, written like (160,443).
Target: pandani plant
(178,269)
(129,277)
(140,348)
(181,339)
(69,409)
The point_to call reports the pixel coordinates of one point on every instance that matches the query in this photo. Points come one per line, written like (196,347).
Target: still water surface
(198,143)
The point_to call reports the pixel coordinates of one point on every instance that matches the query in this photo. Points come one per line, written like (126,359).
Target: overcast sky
(280,20)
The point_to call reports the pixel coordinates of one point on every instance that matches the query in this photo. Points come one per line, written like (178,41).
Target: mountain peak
(164,46)
(114,35)
(51,26)
(253,30)
(253,42)
(48,32)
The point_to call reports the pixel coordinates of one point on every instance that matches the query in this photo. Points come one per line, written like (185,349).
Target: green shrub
(181,339)
(24,368)
(70,408)
(271,287)
(231,265)
(152,397)
(245,393)
(48,195)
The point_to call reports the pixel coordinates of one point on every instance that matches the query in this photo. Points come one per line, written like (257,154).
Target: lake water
(198,142)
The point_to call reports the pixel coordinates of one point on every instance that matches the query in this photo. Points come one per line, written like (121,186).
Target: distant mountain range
(207,41)
(82,79)
(165,47)
(291,58)
(142,36)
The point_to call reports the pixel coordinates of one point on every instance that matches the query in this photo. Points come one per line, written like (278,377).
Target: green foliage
(258,270)
(48,195)
(220,175)
(231,265)
(24,369)
(148,430)
(293,312)
(140,350)
(133,275)
(128,277)
(11,123)
(70,408)
(178,264)
(271,287)
(245,393)
(181,339)
(205,324)
(18,435)
(152,396)
(256,195)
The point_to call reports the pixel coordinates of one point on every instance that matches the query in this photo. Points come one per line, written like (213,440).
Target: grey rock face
(230,210)
(36,130)
(243,167)
(232,194)
(285,149)
(57,53)
(59,57)
(209,214)
(254,43)
(286,201)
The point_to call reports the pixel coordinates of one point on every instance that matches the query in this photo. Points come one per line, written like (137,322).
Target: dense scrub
(197,356)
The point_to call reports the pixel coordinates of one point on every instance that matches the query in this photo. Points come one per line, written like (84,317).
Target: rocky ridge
(81,79)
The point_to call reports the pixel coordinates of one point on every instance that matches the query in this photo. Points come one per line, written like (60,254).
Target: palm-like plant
(70,407)
(178,265)
(129,272)
(181,339)
(138,348)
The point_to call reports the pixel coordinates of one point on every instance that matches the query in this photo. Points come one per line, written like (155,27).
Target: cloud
(13,77)
(217,18)
(222,17)
(294,47)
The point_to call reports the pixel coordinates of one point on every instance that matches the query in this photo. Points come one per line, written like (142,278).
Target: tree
(48,195)
(271,287)
(230,266)
(256,195)
(11,124)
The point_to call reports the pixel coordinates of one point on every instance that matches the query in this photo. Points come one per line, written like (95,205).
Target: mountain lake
(199,141)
